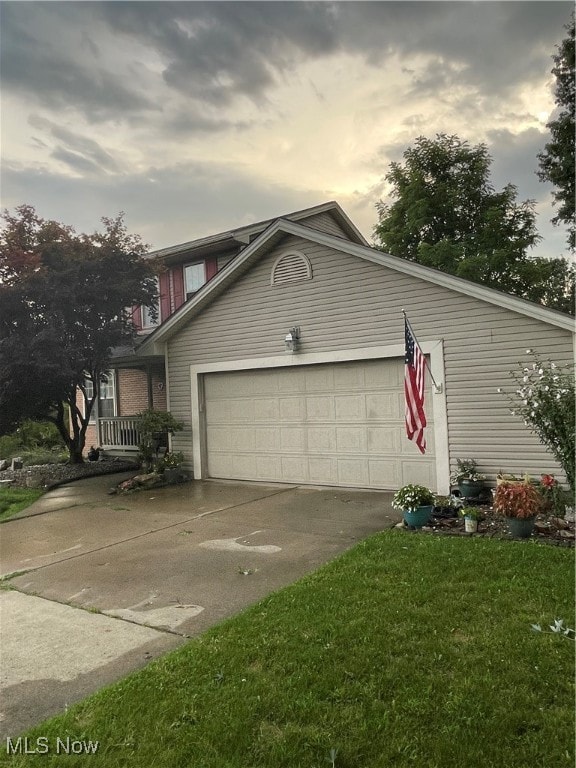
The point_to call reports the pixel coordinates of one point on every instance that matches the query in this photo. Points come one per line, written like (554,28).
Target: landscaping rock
(17,463)
(3,465)
(56,474)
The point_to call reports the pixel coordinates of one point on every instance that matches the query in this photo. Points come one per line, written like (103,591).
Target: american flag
(414,389)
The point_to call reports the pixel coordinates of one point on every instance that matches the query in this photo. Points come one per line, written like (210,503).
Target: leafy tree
(63,308)
(448,216)
(557,161)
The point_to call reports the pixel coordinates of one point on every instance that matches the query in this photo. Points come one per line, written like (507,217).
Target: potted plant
(169,466)
(416,502)
(519,503)
(446,506)
(471,517)
(469,481)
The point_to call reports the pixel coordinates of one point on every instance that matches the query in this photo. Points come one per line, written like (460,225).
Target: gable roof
(274,234)
(242,236)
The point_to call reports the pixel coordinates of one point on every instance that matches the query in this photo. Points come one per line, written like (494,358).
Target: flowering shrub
(410,497)
(545,400)
(466,469)
(554,497)
(517,500)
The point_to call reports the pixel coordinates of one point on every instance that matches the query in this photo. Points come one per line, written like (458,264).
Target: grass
(14,500)
(409,650)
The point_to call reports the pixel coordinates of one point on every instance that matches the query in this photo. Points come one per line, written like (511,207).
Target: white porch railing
(120,432)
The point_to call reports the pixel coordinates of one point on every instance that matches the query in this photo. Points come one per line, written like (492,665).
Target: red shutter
(178,282)
(137,317)
(164,296)
(211,268)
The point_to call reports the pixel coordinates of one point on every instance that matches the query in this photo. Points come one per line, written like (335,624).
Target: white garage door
(333,424)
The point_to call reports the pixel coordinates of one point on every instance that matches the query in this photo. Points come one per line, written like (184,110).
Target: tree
(448,216)
(63,308)
(557,161)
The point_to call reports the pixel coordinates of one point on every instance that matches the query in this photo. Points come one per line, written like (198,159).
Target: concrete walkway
(99,585)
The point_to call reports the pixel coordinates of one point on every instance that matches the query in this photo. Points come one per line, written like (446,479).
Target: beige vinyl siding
(325,223)
(351,303)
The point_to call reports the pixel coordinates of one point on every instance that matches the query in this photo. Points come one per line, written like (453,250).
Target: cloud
(78,151)
(164,205)
(112,59)
(46,55)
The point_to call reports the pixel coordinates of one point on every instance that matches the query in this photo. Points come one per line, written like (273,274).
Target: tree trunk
(75,452)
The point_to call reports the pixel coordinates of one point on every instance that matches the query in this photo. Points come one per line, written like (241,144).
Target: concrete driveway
(99,585)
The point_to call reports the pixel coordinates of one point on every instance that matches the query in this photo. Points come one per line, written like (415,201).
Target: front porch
(119,434)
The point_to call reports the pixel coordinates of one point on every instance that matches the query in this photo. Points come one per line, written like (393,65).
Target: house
(286,365)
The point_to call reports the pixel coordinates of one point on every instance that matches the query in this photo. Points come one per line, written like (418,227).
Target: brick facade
(131,387)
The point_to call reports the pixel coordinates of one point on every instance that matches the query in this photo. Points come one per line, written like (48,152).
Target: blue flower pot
(471,489)
(418,517)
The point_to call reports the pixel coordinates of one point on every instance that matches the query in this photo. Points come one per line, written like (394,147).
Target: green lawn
(410,650)
(14,500)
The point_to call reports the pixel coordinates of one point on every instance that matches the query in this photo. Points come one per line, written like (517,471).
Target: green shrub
(39,434)
(42,456)
(10,446)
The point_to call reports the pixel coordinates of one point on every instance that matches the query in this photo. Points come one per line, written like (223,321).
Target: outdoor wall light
(291,342)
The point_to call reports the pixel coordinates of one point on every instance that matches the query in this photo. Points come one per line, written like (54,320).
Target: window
(105,406)
(194,278)
(147,320)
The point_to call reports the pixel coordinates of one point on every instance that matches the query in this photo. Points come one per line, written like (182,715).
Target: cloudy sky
(194,117)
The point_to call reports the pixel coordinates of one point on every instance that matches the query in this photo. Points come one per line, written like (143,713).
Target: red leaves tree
(63,309)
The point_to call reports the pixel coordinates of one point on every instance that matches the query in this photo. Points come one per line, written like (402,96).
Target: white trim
(434,349)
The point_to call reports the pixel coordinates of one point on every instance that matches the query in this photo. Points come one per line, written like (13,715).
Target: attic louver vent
(291,268)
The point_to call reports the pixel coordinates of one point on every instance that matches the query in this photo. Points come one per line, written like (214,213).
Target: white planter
(470,525)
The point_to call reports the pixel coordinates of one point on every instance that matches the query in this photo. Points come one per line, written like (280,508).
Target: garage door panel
(267,468)
(377,375)
(320,408)
(333,424)
(267,439)
(294,469)
(291,380)
(319,378)
(384,473)
(321,440)
(323,471)
(348,376)
(353,472)
(382,406)
(384,440)
(418,472)
(293,439)
(350,407)
(292,409)
(267,410)
(351,439)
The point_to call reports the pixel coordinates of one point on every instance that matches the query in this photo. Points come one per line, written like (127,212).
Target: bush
(33,437)
(10,446)
(42,456)
(545,400)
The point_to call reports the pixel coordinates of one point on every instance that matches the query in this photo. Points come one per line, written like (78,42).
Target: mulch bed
(548,529)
